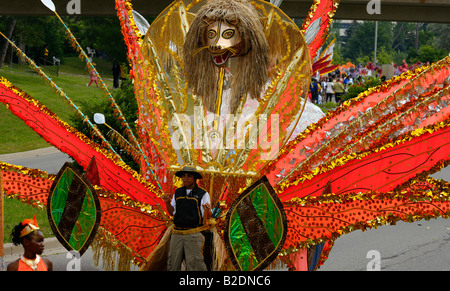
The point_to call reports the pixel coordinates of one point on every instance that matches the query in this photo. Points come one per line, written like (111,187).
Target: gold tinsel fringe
(157,261)
(220,260)
(113,255)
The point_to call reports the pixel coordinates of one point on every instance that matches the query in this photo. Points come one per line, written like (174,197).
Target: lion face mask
(223,40)
(220,30)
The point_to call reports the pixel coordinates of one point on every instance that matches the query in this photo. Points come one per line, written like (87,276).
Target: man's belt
(190,230)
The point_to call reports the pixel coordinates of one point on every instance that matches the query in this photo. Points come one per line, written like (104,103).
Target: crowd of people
(333,86)
(330,88)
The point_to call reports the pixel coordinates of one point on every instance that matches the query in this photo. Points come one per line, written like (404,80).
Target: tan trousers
(188,247)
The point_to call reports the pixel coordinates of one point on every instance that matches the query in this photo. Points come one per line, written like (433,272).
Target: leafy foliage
(426,53)
(360,86)
(396,41)
(100,33)
(35,33)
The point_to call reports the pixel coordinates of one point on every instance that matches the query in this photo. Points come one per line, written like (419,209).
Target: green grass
(15,136)
(74,65)
(16,211)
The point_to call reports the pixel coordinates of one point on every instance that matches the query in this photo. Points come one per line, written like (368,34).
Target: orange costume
(28,264)
(32,265)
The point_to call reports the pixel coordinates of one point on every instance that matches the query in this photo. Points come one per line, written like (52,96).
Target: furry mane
(250,74)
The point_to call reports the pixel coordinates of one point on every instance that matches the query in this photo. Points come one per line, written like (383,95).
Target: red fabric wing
(114,175)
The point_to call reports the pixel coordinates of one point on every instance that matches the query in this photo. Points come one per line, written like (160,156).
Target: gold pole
(219,96)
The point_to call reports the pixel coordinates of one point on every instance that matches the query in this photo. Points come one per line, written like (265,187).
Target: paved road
(47,159)
(422,245)
(418,246)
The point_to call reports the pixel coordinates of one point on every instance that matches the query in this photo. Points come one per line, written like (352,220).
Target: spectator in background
(339,90)
(329,90)
(314,89)
(116,75)
(93,77)
(348,81)
(323,86)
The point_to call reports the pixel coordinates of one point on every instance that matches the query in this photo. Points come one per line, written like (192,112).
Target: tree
(361,42)
(4,44)
(100,33)
(384,56)
(426,53)
(397,41)
(403,36)
(442,35)
(33,33)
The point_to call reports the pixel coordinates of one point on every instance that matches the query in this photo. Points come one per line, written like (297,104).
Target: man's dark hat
(190,170)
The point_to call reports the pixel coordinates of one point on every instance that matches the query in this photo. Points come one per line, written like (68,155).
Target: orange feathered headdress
(30,226)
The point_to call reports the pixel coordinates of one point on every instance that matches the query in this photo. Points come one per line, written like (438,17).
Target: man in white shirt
(190,206)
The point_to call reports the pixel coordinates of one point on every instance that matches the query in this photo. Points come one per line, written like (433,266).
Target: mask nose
(215,47)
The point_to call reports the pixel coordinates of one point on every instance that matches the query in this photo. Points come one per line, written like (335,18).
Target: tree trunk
(416,43)
(5,44)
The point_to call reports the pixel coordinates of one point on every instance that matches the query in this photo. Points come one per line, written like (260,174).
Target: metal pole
(376,39)
(2,251)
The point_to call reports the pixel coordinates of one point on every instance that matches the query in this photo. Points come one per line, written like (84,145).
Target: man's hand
(167,199)
(207,208)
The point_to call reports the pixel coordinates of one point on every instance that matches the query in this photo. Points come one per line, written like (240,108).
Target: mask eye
(211,34)
(229,33)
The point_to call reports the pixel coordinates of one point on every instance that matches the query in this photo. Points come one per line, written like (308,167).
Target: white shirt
(330,87)
(205,199)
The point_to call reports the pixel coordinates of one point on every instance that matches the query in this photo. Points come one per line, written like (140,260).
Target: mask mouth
(220,55)
(220,58)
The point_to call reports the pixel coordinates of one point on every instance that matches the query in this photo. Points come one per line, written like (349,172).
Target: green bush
(329,106)
(359,87)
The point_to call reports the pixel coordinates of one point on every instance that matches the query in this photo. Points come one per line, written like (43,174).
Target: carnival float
(223,86)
